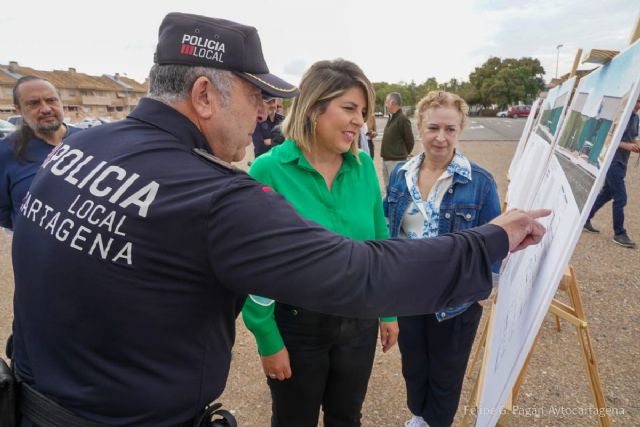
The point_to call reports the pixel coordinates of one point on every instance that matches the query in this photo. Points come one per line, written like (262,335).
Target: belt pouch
(8,396)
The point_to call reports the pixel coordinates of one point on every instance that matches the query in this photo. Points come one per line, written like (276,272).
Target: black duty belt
(8,410)
(47,413)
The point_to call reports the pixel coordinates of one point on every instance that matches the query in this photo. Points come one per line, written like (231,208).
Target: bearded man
(22,152)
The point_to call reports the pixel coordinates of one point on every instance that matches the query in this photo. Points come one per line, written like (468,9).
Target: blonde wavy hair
(441,98)
(321,83)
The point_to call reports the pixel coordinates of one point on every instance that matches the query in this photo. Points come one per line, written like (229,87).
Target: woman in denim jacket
(437,192)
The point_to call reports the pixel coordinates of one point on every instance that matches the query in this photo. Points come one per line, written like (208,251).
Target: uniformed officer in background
(138,241)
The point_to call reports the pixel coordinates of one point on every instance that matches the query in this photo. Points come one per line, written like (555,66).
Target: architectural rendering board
(596,120)
(527,167)
(553,109)
(522,143)
(526,292)
(590,133)
(523,184)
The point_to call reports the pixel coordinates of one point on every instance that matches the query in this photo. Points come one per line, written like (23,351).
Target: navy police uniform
(135,248)
(266,130)
(125,309)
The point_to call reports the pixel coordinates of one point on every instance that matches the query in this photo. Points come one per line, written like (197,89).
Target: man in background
(371,134)
(280,106)
(23,151)
(265,135)
(614,186)
(398,140)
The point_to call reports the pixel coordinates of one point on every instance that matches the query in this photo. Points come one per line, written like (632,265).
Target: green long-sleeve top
(353,208)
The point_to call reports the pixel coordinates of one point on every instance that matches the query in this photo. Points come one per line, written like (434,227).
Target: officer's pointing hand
(521,227)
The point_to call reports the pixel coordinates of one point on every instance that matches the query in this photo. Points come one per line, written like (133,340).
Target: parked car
(6,128)
(15,120)
(378,114)
(88,122)
(501,113)
(516,111)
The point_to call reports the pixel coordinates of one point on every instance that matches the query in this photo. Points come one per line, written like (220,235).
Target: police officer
(148,241)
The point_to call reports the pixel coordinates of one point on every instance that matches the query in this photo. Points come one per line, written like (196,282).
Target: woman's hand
(276,366)
(388,335)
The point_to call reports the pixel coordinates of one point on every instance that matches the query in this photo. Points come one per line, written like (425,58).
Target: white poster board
(531,166)
(527,167)
(590,133)
(553,110)
(522,143)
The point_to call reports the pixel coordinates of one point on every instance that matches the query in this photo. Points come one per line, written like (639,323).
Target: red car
(516,111)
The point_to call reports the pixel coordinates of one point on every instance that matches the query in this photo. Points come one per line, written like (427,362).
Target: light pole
(558,57)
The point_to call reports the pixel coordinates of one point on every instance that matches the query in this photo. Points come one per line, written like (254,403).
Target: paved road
(493,129)
(479,129)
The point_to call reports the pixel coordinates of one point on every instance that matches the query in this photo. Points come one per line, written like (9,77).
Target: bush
(488,112)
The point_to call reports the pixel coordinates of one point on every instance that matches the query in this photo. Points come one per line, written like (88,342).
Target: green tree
(504,82)
(497,81)
(427,86)
(481,79)
(406,90)
(382,90)
(534,83)
(469,93)
(453,85)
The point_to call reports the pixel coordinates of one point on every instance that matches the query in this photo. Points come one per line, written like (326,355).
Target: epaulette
(213,159)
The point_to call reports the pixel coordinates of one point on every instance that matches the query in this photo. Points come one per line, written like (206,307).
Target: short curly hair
(441,98)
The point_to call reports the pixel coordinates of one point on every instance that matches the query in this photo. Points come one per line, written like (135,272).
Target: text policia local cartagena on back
(103,234)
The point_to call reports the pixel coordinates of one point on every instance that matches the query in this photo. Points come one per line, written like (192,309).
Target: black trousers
(331,359)
(371,147)
(614,188)
(434,360)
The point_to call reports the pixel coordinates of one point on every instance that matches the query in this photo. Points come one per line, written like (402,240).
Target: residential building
(83,95)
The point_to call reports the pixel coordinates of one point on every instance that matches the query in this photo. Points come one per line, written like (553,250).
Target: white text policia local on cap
(200,41)
(202,47)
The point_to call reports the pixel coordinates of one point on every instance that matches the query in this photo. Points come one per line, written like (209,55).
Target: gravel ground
(556,378)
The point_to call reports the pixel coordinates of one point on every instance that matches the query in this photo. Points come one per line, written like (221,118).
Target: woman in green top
(315,360)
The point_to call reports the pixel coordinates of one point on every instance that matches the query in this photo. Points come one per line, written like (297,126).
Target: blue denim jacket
(466,204)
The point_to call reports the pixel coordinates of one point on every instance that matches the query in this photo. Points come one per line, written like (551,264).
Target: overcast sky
(402,41)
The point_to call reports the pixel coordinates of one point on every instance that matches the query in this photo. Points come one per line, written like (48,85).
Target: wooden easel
(574,313)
